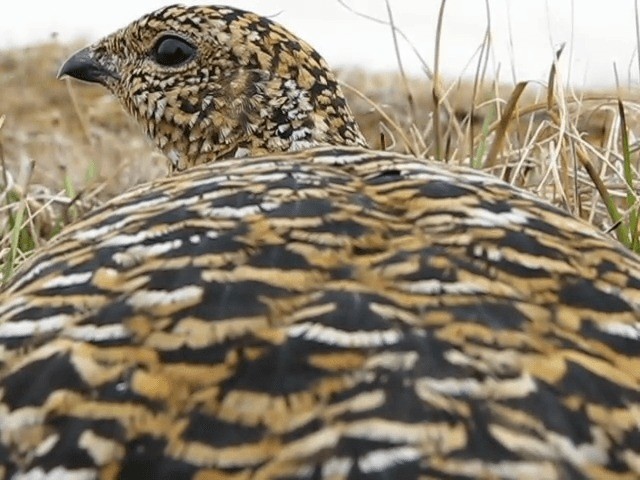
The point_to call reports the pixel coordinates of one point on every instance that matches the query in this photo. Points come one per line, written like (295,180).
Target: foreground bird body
(333,312)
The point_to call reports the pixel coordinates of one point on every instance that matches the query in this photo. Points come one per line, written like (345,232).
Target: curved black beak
(83,66)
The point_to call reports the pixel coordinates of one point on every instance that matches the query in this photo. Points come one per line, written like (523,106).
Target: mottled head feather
(212,82)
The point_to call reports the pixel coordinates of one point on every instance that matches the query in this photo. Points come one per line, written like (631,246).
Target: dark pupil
(170,51)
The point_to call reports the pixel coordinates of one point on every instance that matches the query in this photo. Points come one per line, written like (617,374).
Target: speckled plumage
(252,87)
(331,313)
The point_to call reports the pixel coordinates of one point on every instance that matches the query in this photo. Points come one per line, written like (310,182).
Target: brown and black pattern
(334,313)
(216,82)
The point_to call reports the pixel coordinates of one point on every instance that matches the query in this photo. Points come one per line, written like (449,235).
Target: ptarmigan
(322,311)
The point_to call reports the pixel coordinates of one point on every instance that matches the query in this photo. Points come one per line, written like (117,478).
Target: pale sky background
(525,33)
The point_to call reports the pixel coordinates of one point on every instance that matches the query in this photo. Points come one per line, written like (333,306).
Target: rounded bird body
(334,312)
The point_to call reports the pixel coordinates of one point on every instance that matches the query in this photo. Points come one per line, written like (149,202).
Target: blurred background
(525,33)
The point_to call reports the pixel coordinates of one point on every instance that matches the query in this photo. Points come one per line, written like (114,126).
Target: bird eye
(171,51)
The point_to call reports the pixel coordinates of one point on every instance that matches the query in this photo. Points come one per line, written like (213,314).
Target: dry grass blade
(552,79)
(435,88)
(86,129)
(416,52)
(390,122)
(503,124)
(403,75)
(477,82)
(600,186)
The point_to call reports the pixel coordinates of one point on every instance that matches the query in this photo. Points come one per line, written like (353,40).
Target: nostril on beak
(82,66)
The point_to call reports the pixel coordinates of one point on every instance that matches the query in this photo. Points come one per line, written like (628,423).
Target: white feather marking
(68,280)
(94,333)
(27,328)
(158,298)
(622,330)
(97,233)
(332,336)
(57,473)
(380,460)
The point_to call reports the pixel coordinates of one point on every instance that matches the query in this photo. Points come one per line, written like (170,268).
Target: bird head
(210,82)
